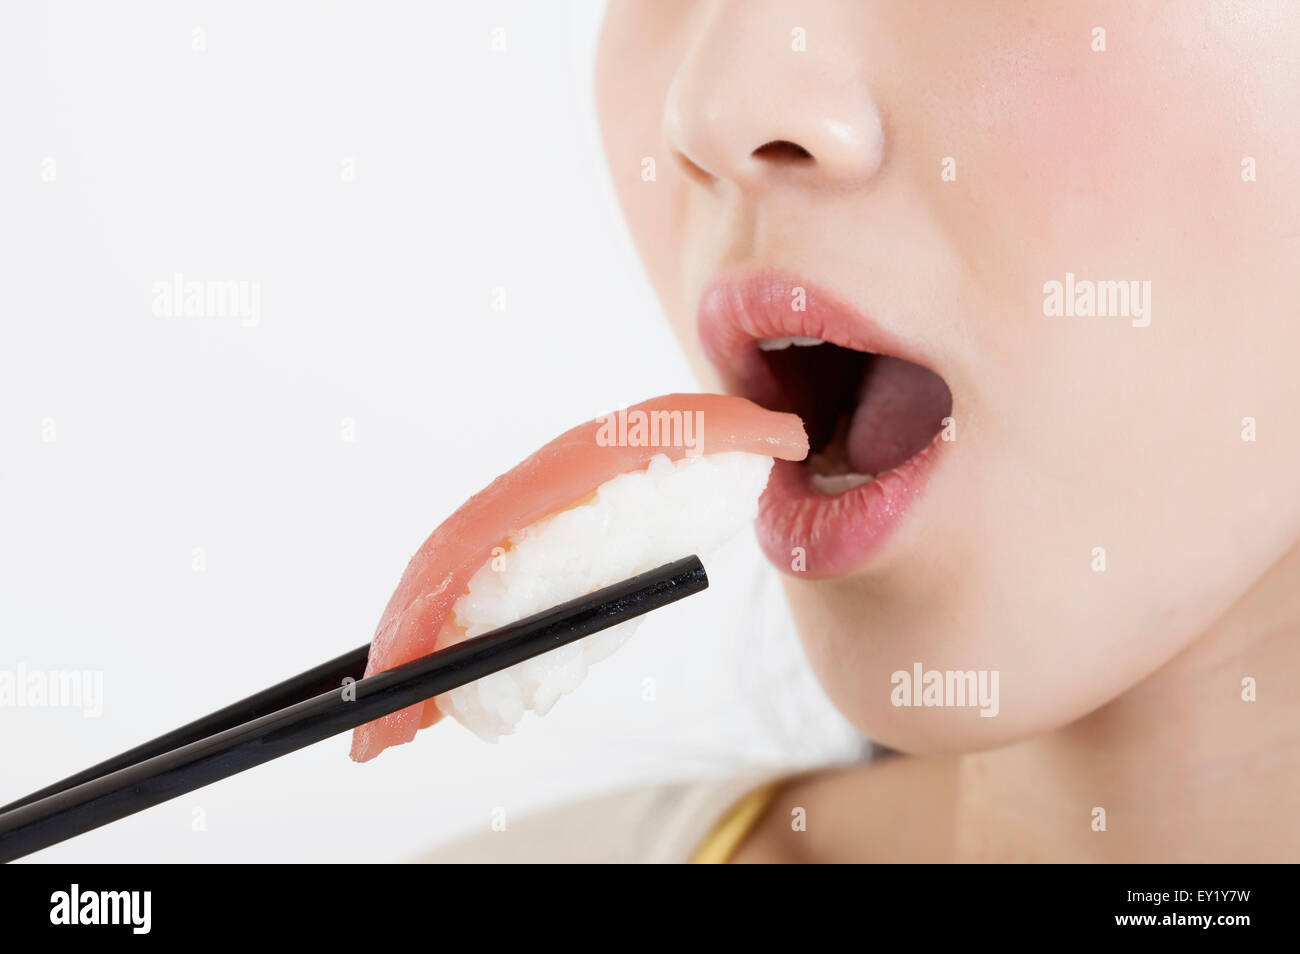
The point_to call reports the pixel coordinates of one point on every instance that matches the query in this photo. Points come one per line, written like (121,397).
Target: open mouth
(868,408)
(872,409)
(865,413)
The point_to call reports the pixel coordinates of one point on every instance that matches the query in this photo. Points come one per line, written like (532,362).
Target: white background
(474,170)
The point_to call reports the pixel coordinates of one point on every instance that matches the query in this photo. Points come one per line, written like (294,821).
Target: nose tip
(759,121)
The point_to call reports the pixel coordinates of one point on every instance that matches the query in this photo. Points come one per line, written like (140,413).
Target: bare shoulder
(895,809)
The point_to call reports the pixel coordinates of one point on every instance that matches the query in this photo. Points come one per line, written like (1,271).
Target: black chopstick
(323,678)
(143,784)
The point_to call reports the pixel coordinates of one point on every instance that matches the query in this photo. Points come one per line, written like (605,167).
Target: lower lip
(810,534)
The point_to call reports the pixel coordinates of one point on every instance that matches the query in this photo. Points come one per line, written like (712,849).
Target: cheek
(1137,151)
(1127,165)
(1094,432)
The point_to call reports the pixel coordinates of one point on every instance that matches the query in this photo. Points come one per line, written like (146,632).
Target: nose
(759,101)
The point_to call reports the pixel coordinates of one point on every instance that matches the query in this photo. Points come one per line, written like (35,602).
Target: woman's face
(1105,463)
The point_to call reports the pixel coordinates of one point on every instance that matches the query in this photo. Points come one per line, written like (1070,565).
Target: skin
(1120,689)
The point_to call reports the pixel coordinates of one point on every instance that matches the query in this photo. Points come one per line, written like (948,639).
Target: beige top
(661,824)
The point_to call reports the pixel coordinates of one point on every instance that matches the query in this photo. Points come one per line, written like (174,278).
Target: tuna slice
(603,501)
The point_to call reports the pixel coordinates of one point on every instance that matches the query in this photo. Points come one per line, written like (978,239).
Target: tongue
(901,406)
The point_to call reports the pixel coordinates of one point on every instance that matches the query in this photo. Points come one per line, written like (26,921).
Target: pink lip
(803,532)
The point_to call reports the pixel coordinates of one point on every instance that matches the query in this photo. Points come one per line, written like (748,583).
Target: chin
(904,679)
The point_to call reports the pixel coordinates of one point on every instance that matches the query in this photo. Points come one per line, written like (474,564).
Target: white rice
(637,521)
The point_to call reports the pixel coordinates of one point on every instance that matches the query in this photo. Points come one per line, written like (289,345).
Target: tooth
(780,344)
(838,483)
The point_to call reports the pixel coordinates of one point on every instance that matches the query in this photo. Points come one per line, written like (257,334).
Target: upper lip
(736,312)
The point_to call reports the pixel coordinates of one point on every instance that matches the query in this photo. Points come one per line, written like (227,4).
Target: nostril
(782,150)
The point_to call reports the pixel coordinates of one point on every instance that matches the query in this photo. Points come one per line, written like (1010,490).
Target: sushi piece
(610,498)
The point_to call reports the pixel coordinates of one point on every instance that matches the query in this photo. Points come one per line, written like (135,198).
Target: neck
(1183,765)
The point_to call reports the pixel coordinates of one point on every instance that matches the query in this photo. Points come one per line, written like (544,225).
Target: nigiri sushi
(613,497)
